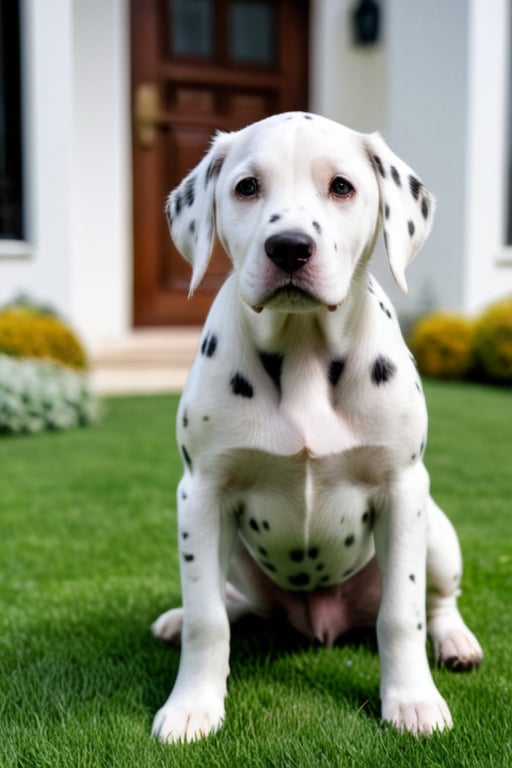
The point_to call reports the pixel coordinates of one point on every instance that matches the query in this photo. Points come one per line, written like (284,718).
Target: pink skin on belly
(322,614)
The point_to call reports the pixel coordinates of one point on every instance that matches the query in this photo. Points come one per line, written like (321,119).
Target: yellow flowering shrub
(492,343)
(442,345)
(26,332)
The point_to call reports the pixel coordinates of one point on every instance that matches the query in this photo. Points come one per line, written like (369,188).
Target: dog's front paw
(168,625)
(419,718)
(184,719)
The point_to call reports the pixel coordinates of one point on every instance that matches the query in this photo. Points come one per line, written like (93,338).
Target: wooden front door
(199,66)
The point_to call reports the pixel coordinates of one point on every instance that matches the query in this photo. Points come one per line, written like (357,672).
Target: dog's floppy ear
(406,206)
(190,210)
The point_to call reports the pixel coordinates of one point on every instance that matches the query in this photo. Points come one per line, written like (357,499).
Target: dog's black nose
(289,250)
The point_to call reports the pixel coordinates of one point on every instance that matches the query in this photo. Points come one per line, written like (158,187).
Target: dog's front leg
(410,699)
(195,706)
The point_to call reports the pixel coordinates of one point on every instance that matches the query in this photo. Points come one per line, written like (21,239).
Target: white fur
(288,452)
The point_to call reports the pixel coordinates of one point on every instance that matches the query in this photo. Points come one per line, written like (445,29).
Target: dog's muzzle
(290,251)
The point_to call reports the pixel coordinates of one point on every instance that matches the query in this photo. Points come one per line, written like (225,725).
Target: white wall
(427,127)
(347,82)
(489,267)
(77,152)
(101,276)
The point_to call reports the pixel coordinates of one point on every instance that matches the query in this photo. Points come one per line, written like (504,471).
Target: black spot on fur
(269,567)
(190,191)
(386,240)
(263,551)
(347,573)
(415,186)
(297,555)
(186,457)
(380,167)
(214,168)
(349,540)
(265,525)
(188,558)
(412,577)
(313,553)
(240,386)
(370,286)
(424,208)
(385,309)
(300,579)
(382,370)
(177,205)
(336,368)
(411,228)
(308,117)
(254,525)
(386,211)
(325,579)
(209,345)
(320,567)
(184,496)
(419,626)
(273,364)
(206,418)
(184,421)
(275,217)
(317,227)
(185,534)
(396,176)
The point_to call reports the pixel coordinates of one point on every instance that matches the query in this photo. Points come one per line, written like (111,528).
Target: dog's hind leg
(454,644)
(167,626)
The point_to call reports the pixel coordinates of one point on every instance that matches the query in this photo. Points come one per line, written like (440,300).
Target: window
(233,32)
(11,170)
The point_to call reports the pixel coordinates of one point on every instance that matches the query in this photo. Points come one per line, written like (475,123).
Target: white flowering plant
(36,395)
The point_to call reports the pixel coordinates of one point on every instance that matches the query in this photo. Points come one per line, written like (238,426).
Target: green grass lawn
(88,559)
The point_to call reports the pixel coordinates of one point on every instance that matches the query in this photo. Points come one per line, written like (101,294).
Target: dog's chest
(303,521)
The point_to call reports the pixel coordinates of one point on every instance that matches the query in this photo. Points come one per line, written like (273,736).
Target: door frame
(150,300)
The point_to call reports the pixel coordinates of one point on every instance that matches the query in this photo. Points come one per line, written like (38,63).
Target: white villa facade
(438,86)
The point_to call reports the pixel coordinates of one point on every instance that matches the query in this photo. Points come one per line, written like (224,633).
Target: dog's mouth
(293,298)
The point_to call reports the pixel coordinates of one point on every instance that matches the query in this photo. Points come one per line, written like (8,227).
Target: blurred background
(106,104)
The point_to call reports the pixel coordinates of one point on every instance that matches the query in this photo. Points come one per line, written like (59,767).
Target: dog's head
(296,201)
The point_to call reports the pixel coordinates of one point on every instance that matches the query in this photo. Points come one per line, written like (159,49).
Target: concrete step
(144,362)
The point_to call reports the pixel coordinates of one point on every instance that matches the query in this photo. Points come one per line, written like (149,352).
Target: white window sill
(15,249)
(504,258)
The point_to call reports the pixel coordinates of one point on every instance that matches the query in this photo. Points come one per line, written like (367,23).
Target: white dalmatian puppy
(303,425)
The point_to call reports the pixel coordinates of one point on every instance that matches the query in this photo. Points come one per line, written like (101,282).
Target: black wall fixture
(366,22)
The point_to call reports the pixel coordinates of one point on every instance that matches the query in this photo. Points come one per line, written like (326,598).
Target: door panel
(199,66)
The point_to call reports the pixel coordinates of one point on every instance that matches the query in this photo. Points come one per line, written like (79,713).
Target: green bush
(442,345)
(492,343)
(38,395)
(27,331)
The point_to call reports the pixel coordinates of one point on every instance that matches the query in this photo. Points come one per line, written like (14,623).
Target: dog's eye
(247,187)
(340,187)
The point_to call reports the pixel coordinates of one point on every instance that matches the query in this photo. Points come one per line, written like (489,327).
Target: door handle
(146,114)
